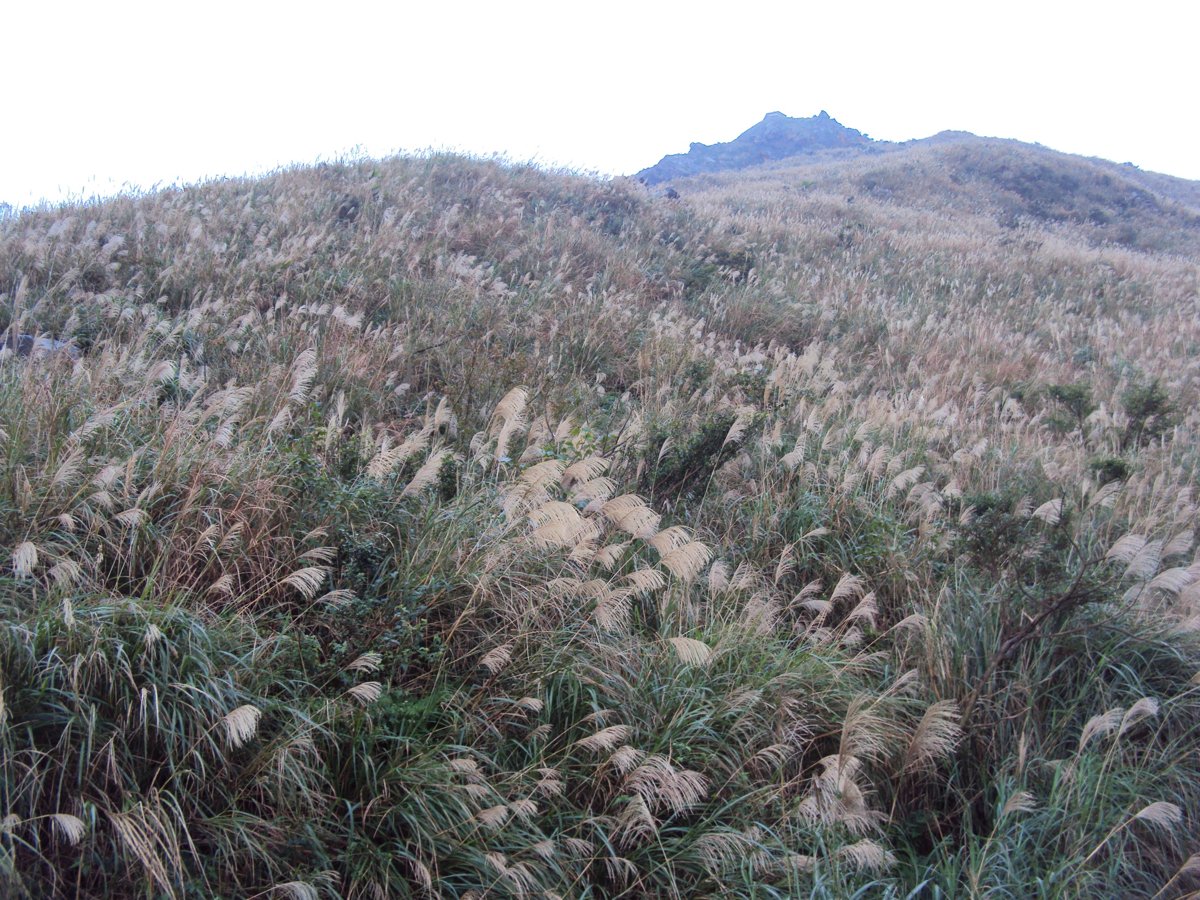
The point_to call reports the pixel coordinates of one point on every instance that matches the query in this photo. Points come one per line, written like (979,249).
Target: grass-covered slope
(433,527)
(1015,185)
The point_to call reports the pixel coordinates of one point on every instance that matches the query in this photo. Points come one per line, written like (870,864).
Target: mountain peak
(777,136)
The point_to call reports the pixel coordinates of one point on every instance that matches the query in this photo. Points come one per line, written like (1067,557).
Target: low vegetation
(441,527)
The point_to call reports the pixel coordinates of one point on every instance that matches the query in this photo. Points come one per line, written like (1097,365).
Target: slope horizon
(102,189)
(435,526)
(823,117)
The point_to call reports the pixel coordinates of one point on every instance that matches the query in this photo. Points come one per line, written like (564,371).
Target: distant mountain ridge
(1008,181)
(776,137)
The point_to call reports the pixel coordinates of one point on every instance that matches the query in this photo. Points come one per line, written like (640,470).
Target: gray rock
(31,345)
(776,137)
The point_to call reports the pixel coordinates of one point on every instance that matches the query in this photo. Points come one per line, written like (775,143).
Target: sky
(128,95)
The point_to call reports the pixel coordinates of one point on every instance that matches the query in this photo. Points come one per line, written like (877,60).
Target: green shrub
(1150,410)
(1110,468)
(1075,399)
(689,460)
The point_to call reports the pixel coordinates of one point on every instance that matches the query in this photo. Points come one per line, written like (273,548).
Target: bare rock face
(776,137)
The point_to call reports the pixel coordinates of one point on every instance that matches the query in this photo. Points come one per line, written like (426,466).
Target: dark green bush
(1075,399)
(690,460)
(1110,468)
(1150,410)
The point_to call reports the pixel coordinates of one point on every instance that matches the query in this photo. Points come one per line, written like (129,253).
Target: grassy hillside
(1013,184)
(436,527)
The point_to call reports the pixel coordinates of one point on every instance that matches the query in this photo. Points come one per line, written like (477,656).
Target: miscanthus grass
(438,527)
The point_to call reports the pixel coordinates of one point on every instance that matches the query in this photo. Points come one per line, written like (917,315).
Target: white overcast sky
(104,95)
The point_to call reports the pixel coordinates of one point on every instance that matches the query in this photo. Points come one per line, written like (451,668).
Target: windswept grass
(434,527)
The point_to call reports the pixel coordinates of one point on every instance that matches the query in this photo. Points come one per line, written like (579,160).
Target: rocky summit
(777,136)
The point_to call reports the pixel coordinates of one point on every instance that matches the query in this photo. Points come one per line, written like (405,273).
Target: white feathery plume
(241,724)
(691,651)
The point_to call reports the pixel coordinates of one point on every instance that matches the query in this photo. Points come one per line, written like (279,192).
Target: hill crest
(1009,181)
(777,136)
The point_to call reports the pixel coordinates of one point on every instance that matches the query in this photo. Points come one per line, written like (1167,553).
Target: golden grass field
(437,527)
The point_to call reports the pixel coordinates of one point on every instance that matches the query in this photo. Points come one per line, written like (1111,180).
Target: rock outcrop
(776,137)
(36,346)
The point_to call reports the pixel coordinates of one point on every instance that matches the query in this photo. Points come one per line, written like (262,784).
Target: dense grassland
(438,527)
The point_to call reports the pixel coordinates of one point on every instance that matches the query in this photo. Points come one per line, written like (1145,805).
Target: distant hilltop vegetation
(1009,182)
